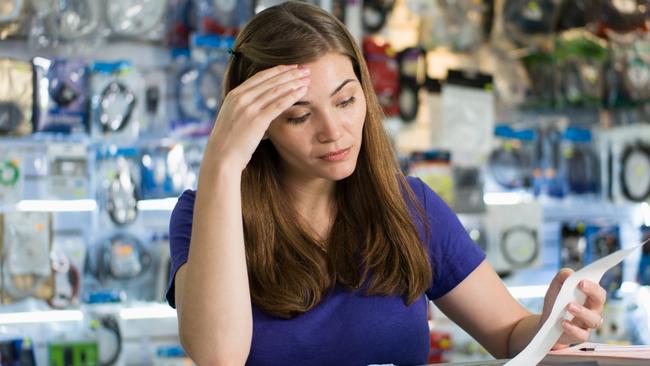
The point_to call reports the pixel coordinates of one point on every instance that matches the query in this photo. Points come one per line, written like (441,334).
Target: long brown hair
(373,243)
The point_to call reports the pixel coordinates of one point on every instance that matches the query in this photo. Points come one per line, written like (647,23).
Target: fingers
(278,85)
(264,75)
(273,93)
(596,295)
(575,332)
(584,317)
(273,109)
(251,92)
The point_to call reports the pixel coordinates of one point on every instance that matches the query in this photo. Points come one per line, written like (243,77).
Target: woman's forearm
(215,318)
(522,333)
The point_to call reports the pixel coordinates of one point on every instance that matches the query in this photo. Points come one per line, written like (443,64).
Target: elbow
(210,355)
(219,361)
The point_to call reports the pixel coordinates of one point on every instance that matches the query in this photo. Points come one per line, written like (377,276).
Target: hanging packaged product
(384,72)
(548,177)
(162,263)
(68,176)
(434,168)
(11,177)
(34,169)
(26,270)
(636,71)
(580,163)
(61,103)
(139,19)
(375,14)
(412,75)
(527,22)
(198,81)
(510,164)
(155,122)
(68,257)
(193,154)
(432,30)
(12,16)
(468,116)
(541,73)
(635,171)
(464,23)
(71,353)
(164,172)
(211,55)
(223,17)
(514,236)
(179,23)
(171,356)
(16,92)
(602,240)
(572,14)
(122,261)
(573,245)
(77,24)
(468,190)
(19,352)
(581,60)
(620,16)
(118,180)
(101,344)
(643,274)
(626,163)
(116,100)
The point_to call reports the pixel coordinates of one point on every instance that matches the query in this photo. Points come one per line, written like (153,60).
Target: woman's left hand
(587,316)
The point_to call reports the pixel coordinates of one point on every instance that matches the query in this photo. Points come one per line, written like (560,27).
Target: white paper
(551,330)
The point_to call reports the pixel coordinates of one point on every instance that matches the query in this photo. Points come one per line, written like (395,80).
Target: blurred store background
(531,118)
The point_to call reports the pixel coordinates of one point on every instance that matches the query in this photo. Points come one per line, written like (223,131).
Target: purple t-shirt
(347,328)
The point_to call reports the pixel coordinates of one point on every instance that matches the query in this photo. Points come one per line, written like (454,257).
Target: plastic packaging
(16,93)
(62,96)
(139,19)
(116,101)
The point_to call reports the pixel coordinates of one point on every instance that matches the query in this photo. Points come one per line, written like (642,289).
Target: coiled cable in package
(135,18)
(11,16)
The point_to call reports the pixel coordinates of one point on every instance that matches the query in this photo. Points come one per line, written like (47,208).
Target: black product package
(61,103)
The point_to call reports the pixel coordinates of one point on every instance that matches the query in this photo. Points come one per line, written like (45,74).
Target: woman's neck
(314,202)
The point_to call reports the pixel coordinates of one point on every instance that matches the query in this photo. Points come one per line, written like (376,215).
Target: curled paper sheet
(551,330)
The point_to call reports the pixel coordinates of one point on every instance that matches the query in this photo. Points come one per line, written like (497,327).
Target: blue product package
(643,276)
(61,97)
(603,240)
(224,17)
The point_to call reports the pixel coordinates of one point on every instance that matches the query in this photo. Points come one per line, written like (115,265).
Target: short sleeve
(453,254)
(180,231)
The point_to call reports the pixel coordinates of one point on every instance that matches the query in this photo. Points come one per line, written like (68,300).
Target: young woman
(303,244)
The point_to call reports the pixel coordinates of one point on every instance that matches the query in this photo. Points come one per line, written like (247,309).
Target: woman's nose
(329,128)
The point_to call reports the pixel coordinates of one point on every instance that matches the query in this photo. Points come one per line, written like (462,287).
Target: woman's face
(320,135)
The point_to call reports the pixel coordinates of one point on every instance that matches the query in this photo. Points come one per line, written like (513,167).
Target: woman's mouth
(336,155)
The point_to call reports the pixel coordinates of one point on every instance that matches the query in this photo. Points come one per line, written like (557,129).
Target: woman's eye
(296,120)
(347,102)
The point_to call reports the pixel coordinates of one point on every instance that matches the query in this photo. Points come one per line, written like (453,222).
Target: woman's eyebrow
(338,88)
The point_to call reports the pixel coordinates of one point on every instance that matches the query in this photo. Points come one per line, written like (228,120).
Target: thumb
(555,286)
(559,279)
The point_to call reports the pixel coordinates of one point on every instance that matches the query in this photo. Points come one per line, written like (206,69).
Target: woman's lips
(336,155)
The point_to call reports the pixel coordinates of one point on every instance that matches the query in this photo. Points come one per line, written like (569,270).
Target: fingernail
(574,308)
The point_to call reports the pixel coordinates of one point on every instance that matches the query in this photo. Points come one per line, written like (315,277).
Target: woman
(303,243)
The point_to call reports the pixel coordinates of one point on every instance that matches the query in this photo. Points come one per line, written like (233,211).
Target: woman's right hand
(247,112)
